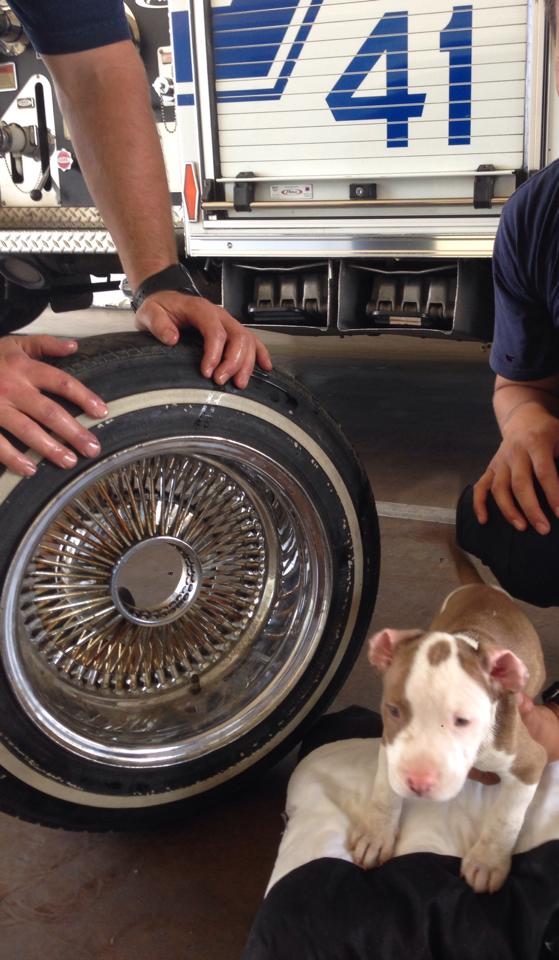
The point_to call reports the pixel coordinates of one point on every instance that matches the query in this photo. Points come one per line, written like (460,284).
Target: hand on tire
(230,349)
(30,416)
(529,449)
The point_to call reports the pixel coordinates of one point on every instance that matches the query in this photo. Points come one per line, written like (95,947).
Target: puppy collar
(474,644)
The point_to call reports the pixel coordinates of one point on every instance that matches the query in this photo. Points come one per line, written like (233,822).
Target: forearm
(510,396)
(104,97)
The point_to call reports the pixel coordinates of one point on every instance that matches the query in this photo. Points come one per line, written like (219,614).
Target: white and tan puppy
(449,704)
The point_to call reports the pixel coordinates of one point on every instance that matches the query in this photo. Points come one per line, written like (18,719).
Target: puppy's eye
(461,722)
(393,710)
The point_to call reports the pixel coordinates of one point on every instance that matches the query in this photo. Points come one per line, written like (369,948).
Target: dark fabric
(413,908)
(68,26)
(344,725)
(526,564)
(526,274)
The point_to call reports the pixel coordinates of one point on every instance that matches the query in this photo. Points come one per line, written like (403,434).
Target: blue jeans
(525,564)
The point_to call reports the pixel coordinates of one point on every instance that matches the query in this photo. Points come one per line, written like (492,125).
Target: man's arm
(510,396)
(104,96)
(528,418)
(121,160)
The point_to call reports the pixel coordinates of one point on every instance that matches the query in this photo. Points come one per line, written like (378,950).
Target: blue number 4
(398,106)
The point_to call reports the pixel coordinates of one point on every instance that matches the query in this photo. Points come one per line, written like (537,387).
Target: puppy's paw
(373,845)
(486,867)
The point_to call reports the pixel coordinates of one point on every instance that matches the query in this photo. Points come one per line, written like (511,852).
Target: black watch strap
(174,277)
(551,694)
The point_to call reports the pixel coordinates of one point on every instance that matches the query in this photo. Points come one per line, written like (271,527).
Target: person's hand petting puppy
(542,723)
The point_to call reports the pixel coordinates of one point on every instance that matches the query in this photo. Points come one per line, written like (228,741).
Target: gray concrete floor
(419,415)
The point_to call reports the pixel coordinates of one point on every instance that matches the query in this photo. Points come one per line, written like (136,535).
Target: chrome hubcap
(156,581)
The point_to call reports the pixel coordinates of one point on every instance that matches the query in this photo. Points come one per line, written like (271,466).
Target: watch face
(551,693)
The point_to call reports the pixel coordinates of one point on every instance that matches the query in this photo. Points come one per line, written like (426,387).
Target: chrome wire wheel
(166,601)
(175,615)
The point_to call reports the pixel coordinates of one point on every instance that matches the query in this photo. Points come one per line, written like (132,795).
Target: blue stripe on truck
(247,40)
(182,56)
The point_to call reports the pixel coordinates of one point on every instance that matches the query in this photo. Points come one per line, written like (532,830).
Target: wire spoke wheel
(155,596)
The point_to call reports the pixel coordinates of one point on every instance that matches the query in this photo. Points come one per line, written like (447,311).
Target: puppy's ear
(507,671)
(383,644)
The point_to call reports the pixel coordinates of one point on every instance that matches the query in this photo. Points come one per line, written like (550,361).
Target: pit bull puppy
(449,704)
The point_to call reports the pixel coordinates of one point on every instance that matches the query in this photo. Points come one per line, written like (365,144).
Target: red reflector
(191,192)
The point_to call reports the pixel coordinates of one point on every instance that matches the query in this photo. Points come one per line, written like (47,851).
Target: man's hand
(230,349)
(529,449)
(543,724)
(24,408)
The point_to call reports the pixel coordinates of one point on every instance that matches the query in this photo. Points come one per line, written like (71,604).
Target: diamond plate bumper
(64,230)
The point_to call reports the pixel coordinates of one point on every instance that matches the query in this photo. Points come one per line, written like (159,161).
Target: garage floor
(419,415)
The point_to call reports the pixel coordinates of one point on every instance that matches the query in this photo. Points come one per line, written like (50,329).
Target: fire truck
(335,167)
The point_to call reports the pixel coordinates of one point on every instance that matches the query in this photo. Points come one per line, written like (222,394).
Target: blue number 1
(398,105)
(457,39)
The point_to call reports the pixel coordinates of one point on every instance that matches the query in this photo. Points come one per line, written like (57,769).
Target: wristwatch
(174,277)
(550,696)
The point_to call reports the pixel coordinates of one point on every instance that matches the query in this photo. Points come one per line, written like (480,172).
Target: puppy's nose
(421,782)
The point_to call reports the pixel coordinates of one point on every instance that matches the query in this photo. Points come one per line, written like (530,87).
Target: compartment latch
(243,193)
(484,188)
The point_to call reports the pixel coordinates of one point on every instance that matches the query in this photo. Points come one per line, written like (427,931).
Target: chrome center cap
(156,581)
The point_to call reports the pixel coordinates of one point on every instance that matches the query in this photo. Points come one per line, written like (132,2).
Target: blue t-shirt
(526,275)
(68,26)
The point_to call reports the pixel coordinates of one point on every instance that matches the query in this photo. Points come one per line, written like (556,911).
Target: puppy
(449,704)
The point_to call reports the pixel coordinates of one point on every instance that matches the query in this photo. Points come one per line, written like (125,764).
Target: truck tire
(175,613)
(19,306)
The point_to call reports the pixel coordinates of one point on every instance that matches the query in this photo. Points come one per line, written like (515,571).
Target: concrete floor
(419,415)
